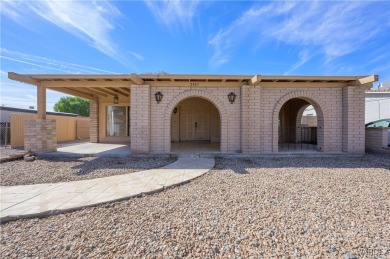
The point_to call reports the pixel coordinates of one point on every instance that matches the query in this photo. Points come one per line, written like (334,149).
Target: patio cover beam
(77,84)
(255,80)
(365,80)
(138,80)
(74,93)
(22,78)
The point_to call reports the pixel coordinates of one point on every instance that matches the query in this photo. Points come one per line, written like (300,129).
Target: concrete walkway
(47,199)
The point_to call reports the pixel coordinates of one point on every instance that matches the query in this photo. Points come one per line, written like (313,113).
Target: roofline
(35,79)
(127,76)
(378,91)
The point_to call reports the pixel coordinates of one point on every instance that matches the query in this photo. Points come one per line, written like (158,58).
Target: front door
(194,120)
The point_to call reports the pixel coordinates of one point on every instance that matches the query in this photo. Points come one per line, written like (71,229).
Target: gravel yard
(53,170)
(7,151)
(259,208)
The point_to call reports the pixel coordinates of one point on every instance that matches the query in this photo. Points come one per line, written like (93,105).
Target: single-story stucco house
(248,114)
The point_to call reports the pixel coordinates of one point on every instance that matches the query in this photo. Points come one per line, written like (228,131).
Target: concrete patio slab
(102,149)
(49,199)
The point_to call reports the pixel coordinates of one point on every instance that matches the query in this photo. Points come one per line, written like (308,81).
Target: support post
(94,121)
(41,102)
(251,119)
(353,119)
(140,118)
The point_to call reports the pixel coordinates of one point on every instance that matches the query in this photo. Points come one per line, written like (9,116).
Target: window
(117,124)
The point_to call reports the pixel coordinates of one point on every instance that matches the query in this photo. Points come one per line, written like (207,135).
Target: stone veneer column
(94,121)
(40,135)
(140,118)
(250,119)
(353,119)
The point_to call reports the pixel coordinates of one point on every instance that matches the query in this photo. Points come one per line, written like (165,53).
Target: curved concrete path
(47,199)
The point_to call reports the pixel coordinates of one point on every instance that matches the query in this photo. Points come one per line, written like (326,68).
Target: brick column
(94,121)
(250,119)
(40,135)
(140,118)
(353,119)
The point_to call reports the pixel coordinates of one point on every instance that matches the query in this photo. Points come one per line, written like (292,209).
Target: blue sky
(205,37)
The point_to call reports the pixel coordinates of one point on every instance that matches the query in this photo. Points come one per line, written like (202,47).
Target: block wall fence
(377,139)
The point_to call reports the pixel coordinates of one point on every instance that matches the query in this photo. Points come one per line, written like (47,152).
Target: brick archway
(322,117)
(200,94)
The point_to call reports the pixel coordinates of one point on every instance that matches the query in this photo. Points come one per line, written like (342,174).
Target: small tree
(76,105)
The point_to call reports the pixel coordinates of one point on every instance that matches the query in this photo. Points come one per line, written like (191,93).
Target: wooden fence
(68,128)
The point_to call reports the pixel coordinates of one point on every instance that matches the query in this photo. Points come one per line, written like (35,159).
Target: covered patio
(170,113)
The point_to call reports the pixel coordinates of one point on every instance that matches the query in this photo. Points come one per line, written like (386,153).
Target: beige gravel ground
(244,208)
(54,170)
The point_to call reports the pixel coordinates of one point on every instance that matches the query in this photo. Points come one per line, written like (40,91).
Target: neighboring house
(5,113)
(378,103)
(155,113)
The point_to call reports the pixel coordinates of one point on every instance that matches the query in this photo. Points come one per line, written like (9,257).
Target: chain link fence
(5,134)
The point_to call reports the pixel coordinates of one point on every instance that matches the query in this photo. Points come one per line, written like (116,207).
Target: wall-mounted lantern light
(175,110)
(116,99)
(232,97)
(158,96)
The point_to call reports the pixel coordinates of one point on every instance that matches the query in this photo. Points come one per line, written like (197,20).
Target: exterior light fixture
(116,99)
(232,97)
(158,96)
(175,110)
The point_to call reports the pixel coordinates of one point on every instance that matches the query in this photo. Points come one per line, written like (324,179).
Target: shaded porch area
(298,148)
(195,147)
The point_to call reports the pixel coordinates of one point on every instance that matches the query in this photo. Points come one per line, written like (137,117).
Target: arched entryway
(300,125)
(195,126)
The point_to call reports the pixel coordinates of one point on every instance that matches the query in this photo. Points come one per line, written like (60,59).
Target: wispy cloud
(49,64)
(226,40)
(173,12)
(20,95)
(91,21)
(330,29)
(136,55)
(304,56)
